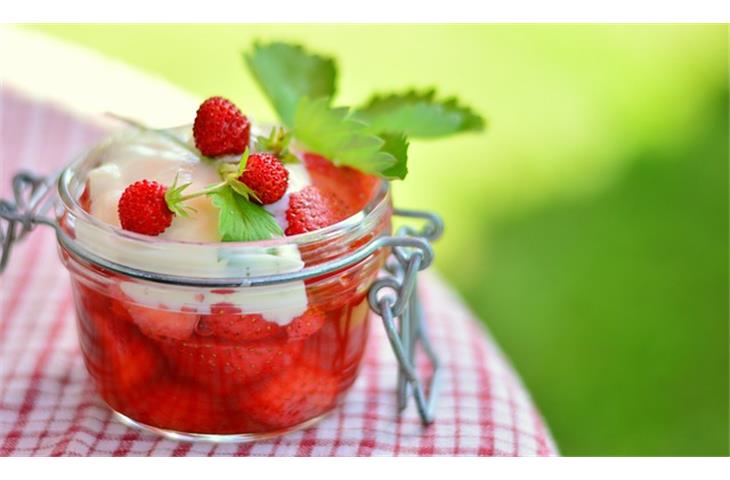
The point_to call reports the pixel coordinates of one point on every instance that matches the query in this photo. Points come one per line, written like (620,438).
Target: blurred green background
(588,227)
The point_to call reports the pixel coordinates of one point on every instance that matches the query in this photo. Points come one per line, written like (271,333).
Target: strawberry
(297,394)
(311,209)
(330,178)
(85,199)
(181,407)
(226,321)
(160,323)
(119,354)
(305,325)
(143,209)
(223,367)
(220,128)
(340,343)
(266,176)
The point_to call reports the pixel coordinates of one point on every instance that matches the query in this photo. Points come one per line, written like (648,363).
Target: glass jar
(220,341)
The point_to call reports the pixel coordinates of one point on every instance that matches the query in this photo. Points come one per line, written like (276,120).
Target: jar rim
(71,204)
(110,246)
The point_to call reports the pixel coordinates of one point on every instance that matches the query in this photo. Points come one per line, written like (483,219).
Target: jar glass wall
(213,355)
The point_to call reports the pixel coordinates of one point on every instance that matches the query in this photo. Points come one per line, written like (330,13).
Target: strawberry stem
(206,191)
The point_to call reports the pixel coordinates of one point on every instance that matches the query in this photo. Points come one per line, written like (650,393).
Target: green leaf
(419,114)
(397,145)
(242,162)
(277,143)
(242,221)
(174,200)
(335,134)
(241,188)
(286,73)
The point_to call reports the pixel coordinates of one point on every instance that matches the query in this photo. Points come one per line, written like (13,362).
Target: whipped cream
(134,156)
(146,155)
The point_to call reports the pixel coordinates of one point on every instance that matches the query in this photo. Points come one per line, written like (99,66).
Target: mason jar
(220,341)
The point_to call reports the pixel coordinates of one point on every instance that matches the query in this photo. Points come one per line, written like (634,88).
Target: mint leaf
(335,134)
(240,220)
(419,114)
(286,73)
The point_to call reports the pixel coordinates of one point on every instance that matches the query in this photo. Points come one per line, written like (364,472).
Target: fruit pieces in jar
(211,384)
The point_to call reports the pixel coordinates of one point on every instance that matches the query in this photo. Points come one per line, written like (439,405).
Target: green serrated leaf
(419,114)
(242,221)
(397,145)
(277,142)
(335,134)
(286,73)
(241,188)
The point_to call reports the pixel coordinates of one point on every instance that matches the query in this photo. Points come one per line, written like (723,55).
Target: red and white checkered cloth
(48,405)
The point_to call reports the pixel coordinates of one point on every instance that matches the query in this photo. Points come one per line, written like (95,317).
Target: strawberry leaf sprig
(372,138)
(239,218)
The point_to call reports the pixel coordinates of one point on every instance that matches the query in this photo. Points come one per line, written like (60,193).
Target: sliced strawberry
(227,321)
(298,394)
(339,345)
(181,407)
(160,323)
(330,178)
(225,367)
(305,325)
(120,356)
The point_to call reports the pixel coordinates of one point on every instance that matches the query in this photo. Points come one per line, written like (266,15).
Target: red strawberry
(305,325)
(119,355)
(220,128)
(160,323)
(224,367)
(311,209)
(85,199)
(142,208)
(227,321)
(298,394)
(340,343)
(181,407)
(266,176)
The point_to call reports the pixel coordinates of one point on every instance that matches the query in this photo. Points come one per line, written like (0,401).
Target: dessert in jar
(186,247)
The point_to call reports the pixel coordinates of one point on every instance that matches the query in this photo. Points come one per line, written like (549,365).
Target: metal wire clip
(395,299)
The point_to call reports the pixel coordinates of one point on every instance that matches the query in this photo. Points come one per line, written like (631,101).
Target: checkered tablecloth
(48,405)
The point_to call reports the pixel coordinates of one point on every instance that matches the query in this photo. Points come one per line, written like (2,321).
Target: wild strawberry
(311,209)
(266,176)
(297,394)
(220,128)
(227,321)
(305,325)
(224,367)
(143,209)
